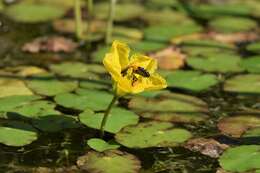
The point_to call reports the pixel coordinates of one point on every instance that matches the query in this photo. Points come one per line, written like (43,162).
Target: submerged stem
(104,120)
(110,21)
(78,19)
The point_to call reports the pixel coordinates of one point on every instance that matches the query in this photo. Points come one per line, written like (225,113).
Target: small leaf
(101,145)
(152,134)
(117,119)
(112,161)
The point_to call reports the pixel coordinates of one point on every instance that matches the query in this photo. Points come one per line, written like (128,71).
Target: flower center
(135,73)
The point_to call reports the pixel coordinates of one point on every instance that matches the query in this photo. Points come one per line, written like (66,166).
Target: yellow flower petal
(155,82)
(117,59)
(146,62)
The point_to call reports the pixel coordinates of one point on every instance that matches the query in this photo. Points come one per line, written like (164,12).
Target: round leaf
(232,24)
(17,134)
(171,107)
(249,84)
(109,162)
(101,145)
(251,64)
(191,80)
(216,63)
(47,84)
(33,13)
(152,134)
(241,159)
(118,118)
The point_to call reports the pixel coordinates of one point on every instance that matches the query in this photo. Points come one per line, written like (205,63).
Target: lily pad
(253,132)
(99,55)
(251,64)
(55,122)
(166,16)
(241,159)
(10,102)
(10,86)
(171,107)
(77,70)
(165,33)
(49,85)
(147,46)
(191,80)
(232,24)
(114,161)
(208,11)
(254,47)
(91,99)
(101,145)
(33,109)
(118,118)
(152,134)
(206,47)
(222,63)
(124,11)
(95,84)
(237,125)
(248,84)
(33,13)
(17,134)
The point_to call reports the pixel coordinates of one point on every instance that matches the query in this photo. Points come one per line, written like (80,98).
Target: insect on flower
(132,75)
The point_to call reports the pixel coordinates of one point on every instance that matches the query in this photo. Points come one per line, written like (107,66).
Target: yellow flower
(132,75)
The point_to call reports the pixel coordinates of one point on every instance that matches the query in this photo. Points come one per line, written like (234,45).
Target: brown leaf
(170,58)
(50,44)
(234,37)
(209,147)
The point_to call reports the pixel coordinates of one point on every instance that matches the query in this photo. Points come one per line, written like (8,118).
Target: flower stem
(104,120)
(110,21)
(78,18)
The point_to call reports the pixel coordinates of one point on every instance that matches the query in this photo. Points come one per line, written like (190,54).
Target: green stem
(110,21)
(78,19)
(104,120)
(90,7)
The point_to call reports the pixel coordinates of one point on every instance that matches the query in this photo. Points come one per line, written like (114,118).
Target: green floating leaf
(251,64)
(152,134)
(222,63)
(85,99)
(206,47)
(99,55)
(165,33)
(17,134)
(165,16)
(10,102)
(33,13)
(191,80)
(55,123)
(241,159)
(78,70)
(114,161)
(248,84)
(118,118)
(171,107)
(95,84)
(49,85)
(124,11)
(253,132)
(232,24)
(147,46)
(33,109)
(254,47)
(161,4)
(223,9)
(101,145)
(237,125)
(11,86)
